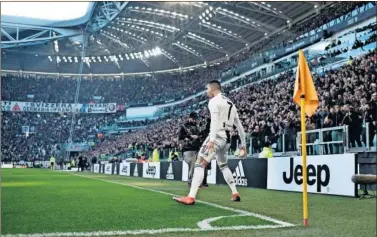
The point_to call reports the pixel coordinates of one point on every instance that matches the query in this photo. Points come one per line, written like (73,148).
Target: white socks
(229,179)
(197,180)
(199,176)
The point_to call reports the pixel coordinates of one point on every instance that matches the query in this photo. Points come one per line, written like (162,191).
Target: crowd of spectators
(144,89)
(46,132)
(326,15)
(357,44)
(315,62)
(267,111)
(262,115)
(348,97)
(122,122)
(127,90)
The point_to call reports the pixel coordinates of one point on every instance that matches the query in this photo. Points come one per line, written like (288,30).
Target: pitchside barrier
(327,174)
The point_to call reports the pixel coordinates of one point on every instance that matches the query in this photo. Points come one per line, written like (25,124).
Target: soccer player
(189,136)
(223,116)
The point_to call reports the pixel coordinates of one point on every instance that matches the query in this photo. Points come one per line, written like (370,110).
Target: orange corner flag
(304,86)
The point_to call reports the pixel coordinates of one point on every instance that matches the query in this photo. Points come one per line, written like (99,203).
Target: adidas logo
(239,175)
(170,174)
(135,171)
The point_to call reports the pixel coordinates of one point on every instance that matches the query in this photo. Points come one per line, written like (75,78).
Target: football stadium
(165,119)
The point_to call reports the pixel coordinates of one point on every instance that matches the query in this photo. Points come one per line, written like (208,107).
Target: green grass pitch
(49,203)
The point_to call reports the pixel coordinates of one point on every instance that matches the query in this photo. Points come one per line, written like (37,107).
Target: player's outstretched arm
(241,133)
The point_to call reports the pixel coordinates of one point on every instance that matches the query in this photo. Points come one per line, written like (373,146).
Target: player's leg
(190,158)
(208,167)
(198,177)
(204,158)
(222,161)
(204,184)
(195,184)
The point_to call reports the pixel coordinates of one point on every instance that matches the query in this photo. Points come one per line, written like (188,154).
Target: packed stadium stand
(258,78)
(112,110)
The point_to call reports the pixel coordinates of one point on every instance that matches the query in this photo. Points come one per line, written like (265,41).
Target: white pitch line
(206,223)
(203,225)
(139,232)
(246,213)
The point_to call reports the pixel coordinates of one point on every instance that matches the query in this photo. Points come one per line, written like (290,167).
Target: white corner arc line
(205,223)
(246,213)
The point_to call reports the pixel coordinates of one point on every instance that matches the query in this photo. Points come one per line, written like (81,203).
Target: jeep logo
(319,175)
(151,170)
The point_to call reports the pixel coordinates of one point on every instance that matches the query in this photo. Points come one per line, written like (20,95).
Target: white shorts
(220,151)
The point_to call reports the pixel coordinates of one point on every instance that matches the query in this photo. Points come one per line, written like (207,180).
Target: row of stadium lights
(206,41)
(236,16)
(204,17)
(191,35)
(274,10)
(169,56)
(187,48)
(210,13)
(147,53)
(207,14)
(142,29)
(160,12)
(126,32)
(148,23)
(219,29)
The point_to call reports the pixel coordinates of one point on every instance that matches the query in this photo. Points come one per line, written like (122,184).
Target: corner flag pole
(306,97)
(303,151)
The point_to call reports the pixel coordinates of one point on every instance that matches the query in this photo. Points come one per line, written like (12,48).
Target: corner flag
(306,97)
(304,86)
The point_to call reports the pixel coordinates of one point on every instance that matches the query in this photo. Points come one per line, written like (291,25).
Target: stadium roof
(37,10)
(46,13)
(150,36)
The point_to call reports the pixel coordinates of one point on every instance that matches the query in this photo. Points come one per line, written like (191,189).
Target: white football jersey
(223,116)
